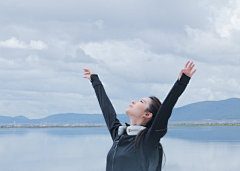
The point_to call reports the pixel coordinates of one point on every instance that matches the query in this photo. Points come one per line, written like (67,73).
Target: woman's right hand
(187,70)
(88,73)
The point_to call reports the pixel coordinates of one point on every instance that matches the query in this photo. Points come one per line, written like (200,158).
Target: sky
(136,47)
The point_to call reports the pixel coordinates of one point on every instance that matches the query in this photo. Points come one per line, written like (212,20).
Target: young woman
(148,124)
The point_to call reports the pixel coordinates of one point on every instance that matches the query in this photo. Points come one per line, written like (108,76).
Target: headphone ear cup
(121,130)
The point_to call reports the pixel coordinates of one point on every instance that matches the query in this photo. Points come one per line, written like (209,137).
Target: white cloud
(15,43)
(206,42)
(226,18)
(136,52)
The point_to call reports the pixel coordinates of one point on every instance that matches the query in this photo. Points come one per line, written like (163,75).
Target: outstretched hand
(187,70)
(88,73)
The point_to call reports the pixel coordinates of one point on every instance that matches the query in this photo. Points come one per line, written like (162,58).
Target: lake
(85,149)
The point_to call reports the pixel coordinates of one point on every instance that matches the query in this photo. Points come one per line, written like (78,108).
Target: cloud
(218,41)
(226,18)
(80,57)
(137,50)
(208,46)
(15,43)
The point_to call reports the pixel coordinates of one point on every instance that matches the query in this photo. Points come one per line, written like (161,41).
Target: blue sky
(136,47)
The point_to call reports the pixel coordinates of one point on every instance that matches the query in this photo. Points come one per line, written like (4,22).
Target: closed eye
(142,101)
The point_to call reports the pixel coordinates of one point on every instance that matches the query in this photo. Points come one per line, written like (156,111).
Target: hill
(214,110)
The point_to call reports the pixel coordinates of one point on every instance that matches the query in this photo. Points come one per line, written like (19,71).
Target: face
(138,107)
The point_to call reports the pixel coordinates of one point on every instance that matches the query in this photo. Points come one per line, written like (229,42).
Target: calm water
(85,149)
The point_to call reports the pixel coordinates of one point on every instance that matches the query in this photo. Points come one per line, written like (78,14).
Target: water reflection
(206,134)
(54,149)
(85,149)
(185,155)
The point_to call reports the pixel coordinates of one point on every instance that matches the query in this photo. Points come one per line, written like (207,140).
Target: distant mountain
(215,110)
(67,118)
(18,119)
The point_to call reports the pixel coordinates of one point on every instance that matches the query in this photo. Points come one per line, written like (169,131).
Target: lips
(130,106)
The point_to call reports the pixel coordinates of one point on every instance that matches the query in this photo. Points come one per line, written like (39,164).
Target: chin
(127,112)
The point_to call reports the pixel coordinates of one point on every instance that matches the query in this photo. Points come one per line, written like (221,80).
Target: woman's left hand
(187,70)
(88,73)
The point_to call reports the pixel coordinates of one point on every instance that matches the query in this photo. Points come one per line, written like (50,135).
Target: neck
(137,121)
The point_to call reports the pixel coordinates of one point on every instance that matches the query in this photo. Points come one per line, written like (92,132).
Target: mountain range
(206,110)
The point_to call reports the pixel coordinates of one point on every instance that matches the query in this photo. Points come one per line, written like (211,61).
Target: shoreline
(86,126)
(13,127)
(201,125)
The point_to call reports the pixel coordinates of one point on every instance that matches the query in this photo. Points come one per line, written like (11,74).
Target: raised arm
(159,126)
(105,104)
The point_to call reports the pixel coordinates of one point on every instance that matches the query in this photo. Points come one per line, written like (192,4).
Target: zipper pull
(115,147)
(116,144)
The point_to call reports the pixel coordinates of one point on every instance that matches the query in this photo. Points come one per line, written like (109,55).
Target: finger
(193,72)
(87,73)
(190,65)
(187,64)
(87,78)
(88,70)
(191,68)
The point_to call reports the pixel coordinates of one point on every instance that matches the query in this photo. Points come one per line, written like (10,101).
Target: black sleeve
(159,126)
(106,106)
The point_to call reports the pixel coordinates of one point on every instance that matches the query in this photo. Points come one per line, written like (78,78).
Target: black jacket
(122,157)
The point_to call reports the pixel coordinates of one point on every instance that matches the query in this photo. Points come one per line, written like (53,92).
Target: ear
(148,115)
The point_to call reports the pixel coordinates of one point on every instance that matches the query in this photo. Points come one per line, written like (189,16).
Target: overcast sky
(136,47)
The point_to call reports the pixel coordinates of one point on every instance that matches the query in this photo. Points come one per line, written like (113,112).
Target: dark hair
(153,108)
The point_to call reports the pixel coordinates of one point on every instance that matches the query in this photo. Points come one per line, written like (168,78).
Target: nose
(133,102)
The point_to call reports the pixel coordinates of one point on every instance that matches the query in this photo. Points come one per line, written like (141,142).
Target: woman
(148,124)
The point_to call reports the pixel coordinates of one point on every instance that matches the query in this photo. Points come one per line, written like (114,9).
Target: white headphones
(131,130)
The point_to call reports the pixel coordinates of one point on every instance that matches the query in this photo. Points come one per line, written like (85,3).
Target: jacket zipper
(115,150)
